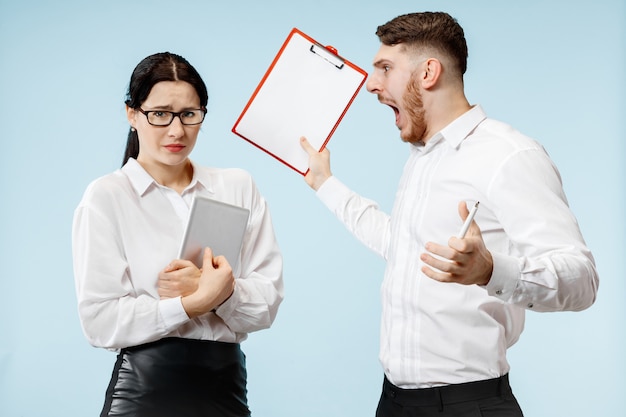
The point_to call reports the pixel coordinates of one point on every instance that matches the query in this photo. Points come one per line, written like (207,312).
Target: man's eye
(386,68)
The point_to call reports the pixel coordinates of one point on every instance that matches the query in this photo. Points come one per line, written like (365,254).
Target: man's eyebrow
(380,62)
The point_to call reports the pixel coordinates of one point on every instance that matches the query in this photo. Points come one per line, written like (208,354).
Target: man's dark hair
(436,30)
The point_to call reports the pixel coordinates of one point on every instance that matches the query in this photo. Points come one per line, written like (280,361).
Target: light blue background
(553,69)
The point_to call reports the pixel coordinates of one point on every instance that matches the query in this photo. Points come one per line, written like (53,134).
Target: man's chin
(405,135)
(408,137)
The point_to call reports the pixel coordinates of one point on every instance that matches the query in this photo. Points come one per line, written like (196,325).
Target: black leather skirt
(178,378)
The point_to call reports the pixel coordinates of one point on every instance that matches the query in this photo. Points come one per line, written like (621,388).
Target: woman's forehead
(171,93)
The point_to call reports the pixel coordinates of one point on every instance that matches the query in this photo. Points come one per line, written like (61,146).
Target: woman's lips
(175,148)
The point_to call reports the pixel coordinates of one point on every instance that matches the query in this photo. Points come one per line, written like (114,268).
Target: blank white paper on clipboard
(305,92)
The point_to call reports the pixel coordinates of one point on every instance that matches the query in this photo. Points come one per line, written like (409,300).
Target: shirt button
(530,305)
(499,292)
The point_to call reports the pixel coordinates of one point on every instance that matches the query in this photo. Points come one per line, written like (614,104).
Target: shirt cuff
(504,277)
(333,193)
(227,308)
(172,313)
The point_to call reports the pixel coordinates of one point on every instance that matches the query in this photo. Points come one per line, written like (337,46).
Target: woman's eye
(159,114)
(189,114)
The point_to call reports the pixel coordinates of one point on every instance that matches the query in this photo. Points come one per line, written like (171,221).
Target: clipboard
(218,225)
(306,91)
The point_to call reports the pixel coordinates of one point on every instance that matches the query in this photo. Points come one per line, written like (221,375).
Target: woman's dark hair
(163,66)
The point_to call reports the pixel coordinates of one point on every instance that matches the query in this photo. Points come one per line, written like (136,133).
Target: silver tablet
(215,224)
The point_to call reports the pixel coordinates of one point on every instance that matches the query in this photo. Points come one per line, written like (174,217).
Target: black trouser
(492,397)
(178,378)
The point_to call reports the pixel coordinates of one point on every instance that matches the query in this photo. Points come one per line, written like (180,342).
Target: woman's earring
(132,129)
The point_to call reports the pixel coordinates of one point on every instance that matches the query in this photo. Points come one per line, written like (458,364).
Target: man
(453,305)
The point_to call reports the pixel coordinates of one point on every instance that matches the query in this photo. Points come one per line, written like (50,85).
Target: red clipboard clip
(328,53)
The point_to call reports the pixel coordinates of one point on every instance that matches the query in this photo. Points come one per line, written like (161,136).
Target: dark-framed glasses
(165,118)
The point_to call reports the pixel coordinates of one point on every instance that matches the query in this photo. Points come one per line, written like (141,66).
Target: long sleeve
(259,288)
(549,268)
(362,217)
(114,314)
(127,229)
(541,261)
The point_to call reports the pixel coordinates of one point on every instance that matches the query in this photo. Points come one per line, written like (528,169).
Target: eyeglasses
(165,118)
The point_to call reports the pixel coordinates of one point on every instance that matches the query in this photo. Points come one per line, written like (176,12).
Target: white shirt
(436,333)
(127,228)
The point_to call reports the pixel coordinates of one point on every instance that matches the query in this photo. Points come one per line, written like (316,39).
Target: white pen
(468,221)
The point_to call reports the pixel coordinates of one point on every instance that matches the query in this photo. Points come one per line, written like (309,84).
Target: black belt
(448,394)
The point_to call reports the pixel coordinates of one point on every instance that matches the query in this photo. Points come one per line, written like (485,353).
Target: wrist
(489,272)
(195,305)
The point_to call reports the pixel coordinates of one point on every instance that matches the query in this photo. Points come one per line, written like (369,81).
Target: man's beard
(414,107)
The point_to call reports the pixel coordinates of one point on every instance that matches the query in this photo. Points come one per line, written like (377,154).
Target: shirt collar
(142,181)
(138,177)
(202,177)
(462,126)
(454,133)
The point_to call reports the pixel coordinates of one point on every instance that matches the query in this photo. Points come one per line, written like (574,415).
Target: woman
(177,328)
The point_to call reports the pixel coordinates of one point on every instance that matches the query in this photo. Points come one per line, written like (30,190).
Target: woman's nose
(176,128)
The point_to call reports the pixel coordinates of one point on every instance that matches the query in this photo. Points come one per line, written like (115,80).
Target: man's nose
(373,84)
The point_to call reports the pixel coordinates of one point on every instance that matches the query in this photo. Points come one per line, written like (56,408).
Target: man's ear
(431,73)
(131,115)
